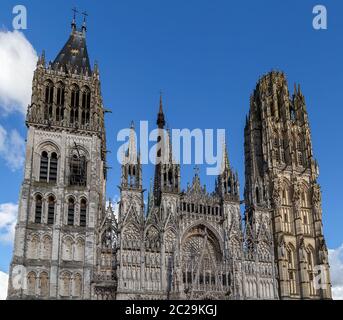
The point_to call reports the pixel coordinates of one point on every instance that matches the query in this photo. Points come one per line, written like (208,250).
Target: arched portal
(202,267)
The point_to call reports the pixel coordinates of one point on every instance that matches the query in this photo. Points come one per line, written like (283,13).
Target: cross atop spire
(84,26)
(75,12)
(73,23)
(85,14)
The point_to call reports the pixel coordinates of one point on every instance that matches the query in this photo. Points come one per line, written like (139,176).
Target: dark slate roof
(74,53)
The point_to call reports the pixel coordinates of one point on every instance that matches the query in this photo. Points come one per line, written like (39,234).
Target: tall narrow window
(283,148)
(300,159)
(257,195)
(51,210)
(53,168)
(38,209)
(286,210)
(71,212)
(86,104)
(49,98)
(60,103)
(44,163)
(170,177)
(48,167)
(276,142)
(276,145)
(78,171)
(292,272)
(74,112)
(300,153)
(310,270)
(83,213)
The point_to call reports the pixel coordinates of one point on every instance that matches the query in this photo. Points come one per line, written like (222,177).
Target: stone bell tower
(281,181)
(63,191)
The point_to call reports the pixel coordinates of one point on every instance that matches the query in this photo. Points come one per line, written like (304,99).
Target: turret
(227,182)
(131,177)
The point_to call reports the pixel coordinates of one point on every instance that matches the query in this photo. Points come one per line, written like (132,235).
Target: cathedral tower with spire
(63,192)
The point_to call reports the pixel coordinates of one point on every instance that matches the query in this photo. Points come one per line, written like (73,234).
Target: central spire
(160,117)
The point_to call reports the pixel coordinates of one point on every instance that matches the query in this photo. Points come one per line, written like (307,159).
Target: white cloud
(3,285)
(12,148)
(8,218)
(17,63)
(336,272)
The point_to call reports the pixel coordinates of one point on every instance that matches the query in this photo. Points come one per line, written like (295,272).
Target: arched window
(83,213)
(53,168)
(78,170)
(74,104)
(51,210)
(38,209)
(306,211)
(44,284)
(286,210)
(48,167)
(86,106)
(71,211)
(44,164)
(49,99)
(31,283)
(300,156)
(60,102)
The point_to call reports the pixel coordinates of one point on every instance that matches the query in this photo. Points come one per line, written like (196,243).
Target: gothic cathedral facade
(181,244)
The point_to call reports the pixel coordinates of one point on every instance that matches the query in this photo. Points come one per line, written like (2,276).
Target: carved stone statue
(323,252)
(316,196)
(302,250)
(277,193)
(282,247)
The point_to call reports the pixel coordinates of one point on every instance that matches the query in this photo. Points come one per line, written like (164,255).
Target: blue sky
(206,56)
